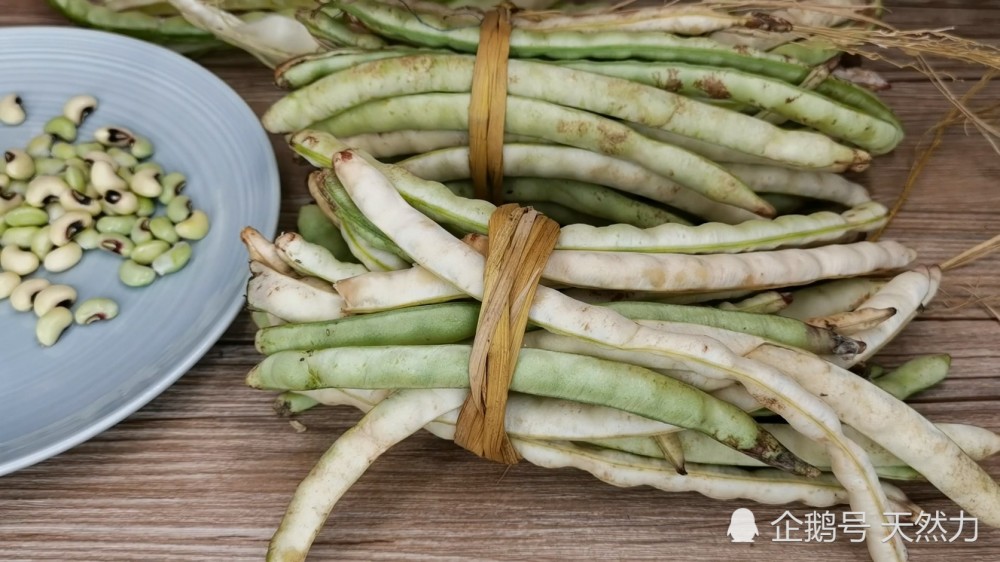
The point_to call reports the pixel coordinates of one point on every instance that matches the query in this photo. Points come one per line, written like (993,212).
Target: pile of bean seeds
(60,197)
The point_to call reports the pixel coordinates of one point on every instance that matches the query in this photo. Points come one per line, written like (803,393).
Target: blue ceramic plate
(52,399)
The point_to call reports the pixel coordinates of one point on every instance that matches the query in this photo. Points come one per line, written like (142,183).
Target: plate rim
(227,315)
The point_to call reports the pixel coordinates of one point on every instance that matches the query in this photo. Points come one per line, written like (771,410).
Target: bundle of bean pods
(708,319)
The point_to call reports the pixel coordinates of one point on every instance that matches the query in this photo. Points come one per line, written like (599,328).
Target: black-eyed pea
(45,189)
(78,108)
(69,225)
(22,298)
(19,165)
(12,110)
(50,327)
(173,260)
(61,127)
(195,227)
(8,282)
(95,310)
(136,275)
(53,296)
(63,258)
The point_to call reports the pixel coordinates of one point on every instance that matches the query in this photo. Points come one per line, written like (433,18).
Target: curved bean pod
(556,123)
(596,93)
(434,248)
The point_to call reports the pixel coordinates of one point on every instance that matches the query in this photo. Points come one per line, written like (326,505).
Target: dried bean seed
(8,282)
(41,242)
(114,136)
(163,229)
(179,209)
(40,146)
(50,327)
(88,239)
(69,225)
(17,260)
(78,108)
(194,227)
(20,165)
(147,252)
(63,150)
(53,296)
(116,244)
(26,216)
(141,148)
(146,207)
(11,110)
(136,275)
(173,260)
(18,236)
(146,182)
(63,258)
(62,128)
(22,298)
(45,189)
(103,176)
(118,225)
(173,184)
(95,310)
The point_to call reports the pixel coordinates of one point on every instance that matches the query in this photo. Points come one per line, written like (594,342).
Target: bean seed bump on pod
(69,225)
(50,327)
(12,110)
(20,165)
(63,258)
(53,296)
(22,298)
(114,136)
(95,310)
(78,108)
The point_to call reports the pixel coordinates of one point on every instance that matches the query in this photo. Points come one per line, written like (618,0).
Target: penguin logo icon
(742,526)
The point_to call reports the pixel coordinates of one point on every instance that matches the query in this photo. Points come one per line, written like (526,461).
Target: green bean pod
(542,373)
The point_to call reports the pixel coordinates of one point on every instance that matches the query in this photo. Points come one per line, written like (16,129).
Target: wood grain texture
(204,472)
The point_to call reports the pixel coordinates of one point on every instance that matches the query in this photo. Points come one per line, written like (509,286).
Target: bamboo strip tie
(520,242)
(488,104)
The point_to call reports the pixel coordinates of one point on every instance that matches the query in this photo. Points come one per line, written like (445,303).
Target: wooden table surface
(204,472)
